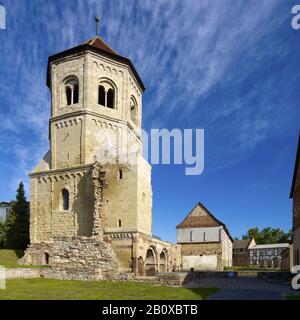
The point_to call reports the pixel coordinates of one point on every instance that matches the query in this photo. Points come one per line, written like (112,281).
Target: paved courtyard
(245,288)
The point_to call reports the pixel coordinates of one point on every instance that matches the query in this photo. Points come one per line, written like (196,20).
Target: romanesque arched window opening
(110,98)
(76,93)
(72,91)
(163,262)
(106,95)
(68,95)
(66,199)
(150,263)
(101,96)
(133,110)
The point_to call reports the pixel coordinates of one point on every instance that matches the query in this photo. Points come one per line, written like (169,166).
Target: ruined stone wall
(47,217)
(84,258)
(77,258)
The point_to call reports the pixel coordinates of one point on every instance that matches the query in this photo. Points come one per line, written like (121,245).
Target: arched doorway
(141,271)
(163,262)
(150,263)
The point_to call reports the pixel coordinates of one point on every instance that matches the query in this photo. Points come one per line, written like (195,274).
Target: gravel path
(246,288)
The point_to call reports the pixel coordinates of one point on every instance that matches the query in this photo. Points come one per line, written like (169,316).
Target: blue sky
(230,67)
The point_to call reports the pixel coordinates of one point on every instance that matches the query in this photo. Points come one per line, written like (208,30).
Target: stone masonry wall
(205,249)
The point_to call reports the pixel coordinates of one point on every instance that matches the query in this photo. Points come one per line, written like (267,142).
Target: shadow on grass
(203,293)
(19,253)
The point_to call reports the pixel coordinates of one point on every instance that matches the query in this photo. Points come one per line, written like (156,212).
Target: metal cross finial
(97,20)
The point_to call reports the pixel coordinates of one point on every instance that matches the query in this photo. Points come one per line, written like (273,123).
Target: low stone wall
(23,273)
(170,279)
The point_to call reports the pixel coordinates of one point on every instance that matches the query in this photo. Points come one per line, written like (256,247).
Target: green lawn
(293,297)
(46,289)
(250,269)
(9,258)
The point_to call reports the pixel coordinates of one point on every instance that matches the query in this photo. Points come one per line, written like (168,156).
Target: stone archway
(163,262)
(141,268)
(150,263)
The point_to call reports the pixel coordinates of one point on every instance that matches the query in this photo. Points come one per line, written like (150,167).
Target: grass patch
(293,297)
(46,289)
(251,269)
(9,259)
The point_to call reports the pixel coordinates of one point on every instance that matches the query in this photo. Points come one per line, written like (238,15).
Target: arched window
(191,236)
(68,95)
(110,98)
(101,96)
(120,223)
(76,93)
(133,110)
(66,199)
(106,95)
(72,91)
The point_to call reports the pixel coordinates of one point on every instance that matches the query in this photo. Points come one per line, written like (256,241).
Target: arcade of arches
(155,262)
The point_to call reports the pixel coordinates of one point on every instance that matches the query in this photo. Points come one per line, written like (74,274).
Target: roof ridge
(92,41)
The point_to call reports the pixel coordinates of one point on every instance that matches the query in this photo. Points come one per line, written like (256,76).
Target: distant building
(267,255)
(4,210)
(295,196)
(241,255)
(206,243)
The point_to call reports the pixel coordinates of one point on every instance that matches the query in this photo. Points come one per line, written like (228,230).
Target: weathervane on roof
(97,20)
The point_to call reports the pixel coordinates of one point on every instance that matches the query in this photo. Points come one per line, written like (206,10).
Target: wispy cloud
(186,52)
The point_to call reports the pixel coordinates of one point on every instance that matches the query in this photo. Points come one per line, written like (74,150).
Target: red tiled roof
(97,42)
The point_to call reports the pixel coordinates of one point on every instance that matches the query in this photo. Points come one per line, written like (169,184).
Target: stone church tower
(94,182)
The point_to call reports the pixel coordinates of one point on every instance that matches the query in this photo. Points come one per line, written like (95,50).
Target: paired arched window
(106,95)
(71,91)
(65,199)
(133,110)
(101,96)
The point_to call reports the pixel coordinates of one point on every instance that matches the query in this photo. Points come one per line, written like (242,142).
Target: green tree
(17,223)
(2,233)
(268,235)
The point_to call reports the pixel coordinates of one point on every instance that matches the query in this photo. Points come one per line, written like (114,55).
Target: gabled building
(295,196)
(206,243)
(241,248)
(4,210)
